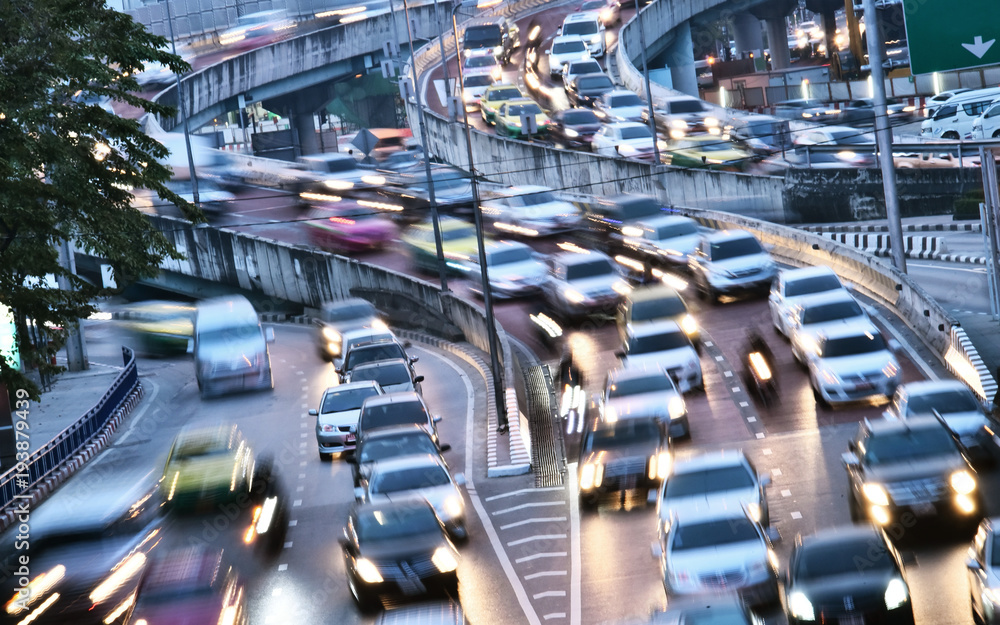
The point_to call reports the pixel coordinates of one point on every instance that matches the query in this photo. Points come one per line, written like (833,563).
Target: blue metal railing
(64,445)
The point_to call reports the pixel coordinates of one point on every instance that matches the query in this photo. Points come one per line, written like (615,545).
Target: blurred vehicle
(862,112)
(953,120)
(230,347)
(335,318)
(588,27)
(472,89)
(806,109)
(649,304)
(573,128)
(391,442)
(682,116)
(496,96)
(792,285)
(529,211)
(483,63)
(933,103)
(609,11)
(396,409)
(159,328)
(329,176)
(587,89)
(337,416)
(823,570)
(663,344)
(404,160)
(620,455)
(508,118)
(253,30)
(929,160)
(578,68)
(157,75)
(388,141)
(190,585)
(760,134)
(666,239)
(580,283)
(207,466)
(982,567)
(958,407)
(722,609)
(707,152)
(815,315)
(728,262)
(565,50)
(514,270)
(607,218)
(458,241)
(716,480)
(912,468)
(393,375)
(498,35)
(619,105)
(348,227)
(624,139)
(852,362)
(427,613)
(987,124)
(835,136)
(394,548)
(410,190)
(807,157)
(352,338)
(706,549)
(645,391)
(373,351)
(422,477)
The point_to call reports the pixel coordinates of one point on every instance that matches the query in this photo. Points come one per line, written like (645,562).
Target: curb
(919,247)
(40,491)
(906,228)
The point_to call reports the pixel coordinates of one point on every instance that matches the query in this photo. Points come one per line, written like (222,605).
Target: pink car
(190,585)
(348,226)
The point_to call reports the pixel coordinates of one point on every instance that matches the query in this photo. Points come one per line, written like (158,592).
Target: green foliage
(67,166)
(967,206)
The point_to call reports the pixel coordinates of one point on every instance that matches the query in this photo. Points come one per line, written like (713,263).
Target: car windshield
(628,99)
(567,47)
(399,413)
(483,80)
(653,383)
(852,345)
(590,83)
(908,445)
(734,248)
(482,36)
(426,476)
(715,480)
(455,234)
(509,255)
(622,434)
(589,269)
(385,374)
(674,230)
(635,132)
(383,448)
(995,560)
(831,312)
(657,343)
(395,522)
(516,110)
(815,284)
(580,28)
(480,61)
(534,199)
(945,402)
(370,353)
(499,95)
(585,67)
(843,558)
(233,334)
(592,5)
(575,117)
(347,399)
(714,533)
(657,308)
(445,180)
(685,106)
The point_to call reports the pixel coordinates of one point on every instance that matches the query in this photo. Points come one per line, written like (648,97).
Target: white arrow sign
(980,47)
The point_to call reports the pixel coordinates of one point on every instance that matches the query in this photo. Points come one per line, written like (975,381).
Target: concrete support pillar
(747,33)
(680,59)
(305,128)
(777,40)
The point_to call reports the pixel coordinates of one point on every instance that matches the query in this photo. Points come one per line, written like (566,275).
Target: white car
(417,478)
(514,270)
(983,568)
(620,105)
(583,282)
(472,89)
(818,314)
(625,139)
(588,27)
(645,392)
(791,285)
(577,68)
(337,416)
(707,550)
(664,344)
(667,239)
(484,63)
(720,480)
(851,363)
(835,135)
(728,262)
(530,211)
(565,50)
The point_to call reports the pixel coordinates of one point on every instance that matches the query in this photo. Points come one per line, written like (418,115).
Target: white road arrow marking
(442,91)
(980,47)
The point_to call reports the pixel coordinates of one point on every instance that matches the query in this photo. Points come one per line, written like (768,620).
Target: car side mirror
(359,493)
(418,379)
(765,480)
(445,446)
(850,459)
(269,335)
(972,564)
(313,413)
(414,359)
(620,353)
(910,559)
(436,418)
(460,479)
(773,535)
(559,31)
(656,549)
(190,346)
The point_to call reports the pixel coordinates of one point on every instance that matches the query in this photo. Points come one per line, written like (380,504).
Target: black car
(385,443)
(862,112)
(620,455)
(374,351)
(336,318)
(604,218)
(573,128)
(847,575)
(394,550)
(906,471)
(587,89)
(395,409)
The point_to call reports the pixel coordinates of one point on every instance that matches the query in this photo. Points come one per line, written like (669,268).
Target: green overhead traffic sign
(945,35)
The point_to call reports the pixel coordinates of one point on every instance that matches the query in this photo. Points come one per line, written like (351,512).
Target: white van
(589,28)
(230,347)
(953,119)
(987,125)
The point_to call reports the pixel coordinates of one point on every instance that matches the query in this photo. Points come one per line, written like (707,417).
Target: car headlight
(689,325)
(659,465)
(573,296)
(373,180)
(326,427)
(453,506)
(331,335)
(992,594)
(468,96)
(625,148)
(679,124)
(596,39)
(621,287)
(876,494)
(962,482)
(896,594)
(753,509)
(572,133)
(631,231)
(378,324)
(444,560)
(497,50)
(676,407)
(591,476)
(662,145)
(800,606)
(367,571)
(711,122)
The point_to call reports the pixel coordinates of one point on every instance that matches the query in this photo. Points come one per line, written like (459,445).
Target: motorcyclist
(756,343)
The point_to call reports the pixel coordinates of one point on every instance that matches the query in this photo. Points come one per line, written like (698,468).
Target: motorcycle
(759,370)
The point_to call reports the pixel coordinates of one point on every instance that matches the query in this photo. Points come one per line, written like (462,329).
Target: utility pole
(649,90)
(183,109)
(76,346)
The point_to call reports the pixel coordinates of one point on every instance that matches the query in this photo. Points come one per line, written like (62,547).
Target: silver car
(815,315)
(983,566)
(394,375)
(582,282)
(419,477)
(530,211)
(792,285)
(337,416)
(645,392)
(729,262)
(851,363)
(669,239)
(514,270)
(664,344)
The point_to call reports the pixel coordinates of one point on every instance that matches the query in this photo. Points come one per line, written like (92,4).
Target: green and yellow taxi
(707,152)
(458,241)
(160,328)
(207,466)
(494,97)
(508,120)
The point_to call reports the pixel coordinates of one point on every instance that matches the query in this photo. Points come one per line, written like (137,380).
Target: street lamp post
(649,90)
(180,105)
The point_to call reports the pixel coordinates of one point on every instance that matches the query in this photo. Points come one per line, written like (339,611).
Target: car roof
(377,336)
(653,292)
(350,386)
(496,245)
(710,460)
(401,397)
(585,16)
(728,235)
(350,302)
(840,534)
(629,125)
(411,461)
(888,426)
(526,190)
(803,273)
(425,613)
(221,435)
(189,567)
(933,386)
(826,297)
(620,92)
(632,372)
(521,100)
(403,429)
(851,329)
(703,510)
(378,364)
(565,38)
(576,258)
(655,327)
(665,220)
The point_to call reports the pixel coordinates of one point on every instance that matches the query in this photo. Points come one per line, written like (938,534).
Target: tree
(67,165)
